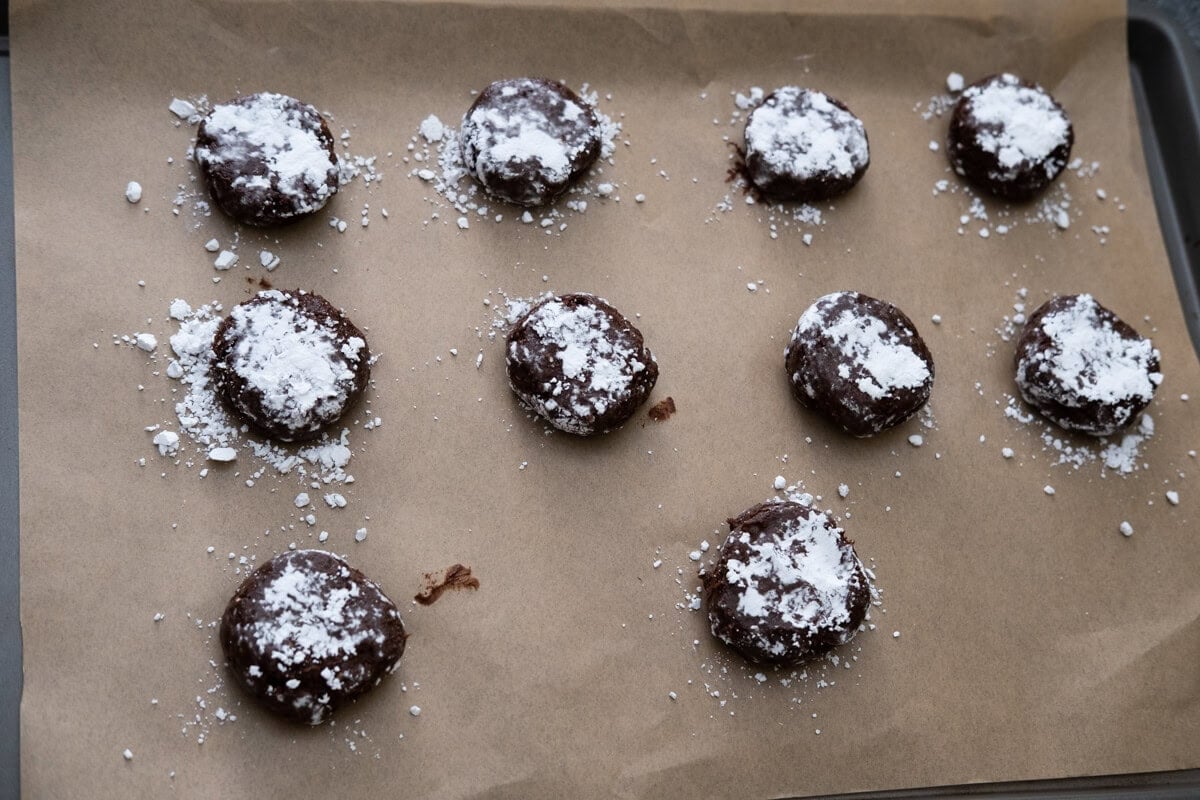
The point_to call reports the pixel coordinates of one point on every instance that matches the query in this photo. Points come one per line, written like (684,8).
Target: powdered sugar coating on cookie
(1017,122)
(290,363)
(526,139)
(803,144)
(267,158)
(1083,367)
(580,364)
(1009,136)
(307,632)
(787,585)
(860,361)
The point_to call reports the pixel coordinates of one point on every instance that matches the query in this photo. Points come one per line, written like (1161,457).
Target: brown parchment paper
(1035,640)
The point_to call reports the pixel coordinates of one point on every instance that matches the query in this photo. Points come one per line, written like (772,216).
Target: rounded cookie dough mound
(579,363)
(1009,137)
(787,585)
(306,633)
(290,363)
(802,144)
(860,362)
(527,139)
(1084,368)
(267,158)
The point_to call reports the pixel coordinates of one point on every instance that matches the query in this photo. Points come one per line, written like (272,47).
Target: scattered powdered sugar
(167,442)
(435,154)
(268,260)
(222,454)
(309,622)
(432,129)
(1120,454)
(225,260)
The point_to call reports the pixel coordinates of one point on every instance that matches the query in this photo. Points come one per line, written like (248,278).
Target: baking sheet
(1035,641)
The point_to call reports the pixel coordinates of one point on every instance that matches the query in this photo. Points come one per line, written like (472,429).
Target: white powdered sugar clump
(183,109)
(1093,360)
(1124,456)
(887,362)
(523,133)
(296,364)
(802,133)
(308,621)
(1120,456)
(432,129)
(282,133)
(807,572)
(1017,123)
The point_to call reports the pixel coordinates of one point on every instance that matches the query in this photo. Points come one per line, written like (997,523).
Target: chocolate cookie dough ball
(802,144)
(787,585)
(306,633)
(525,140)
(1083,368)
(267,158)
(289,363)
(579,364)
(1009,136)
(860,362)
